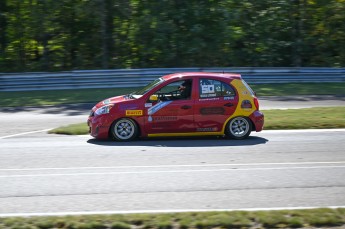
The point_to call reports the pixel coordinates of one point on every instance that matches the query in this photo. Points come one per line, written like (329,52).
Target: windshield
(148,87)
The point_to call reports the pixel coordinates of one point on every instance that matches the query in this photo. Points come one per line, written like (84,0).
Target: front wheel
(238,128)
(124,129)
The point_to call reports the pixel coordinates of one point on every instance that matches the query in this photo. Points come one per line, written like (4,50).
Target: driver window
(170,87)
(174,91)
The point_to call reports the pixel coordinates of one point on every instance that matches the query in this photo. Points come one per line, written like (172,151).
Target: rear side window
(248,88)
(213,88)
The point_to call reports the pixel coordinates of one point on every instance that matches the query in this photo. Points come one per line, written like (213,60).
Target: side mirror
(153,98)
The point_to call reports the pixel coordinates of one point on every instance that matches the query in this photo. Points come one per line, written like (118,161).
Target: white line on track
(303,130)
(158,211)
(176,166)
(265,131)
(25,133)
(169,171)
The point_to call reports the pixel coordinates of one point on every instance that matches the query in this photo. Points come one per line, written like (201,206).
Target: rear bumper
(258,120)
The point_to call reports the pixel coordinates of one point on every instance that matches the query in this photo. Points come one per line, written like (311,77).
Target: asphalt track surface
(43,174)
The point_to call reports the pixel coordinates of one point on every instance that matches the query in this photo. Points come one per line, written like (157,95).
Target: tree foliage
(50,35)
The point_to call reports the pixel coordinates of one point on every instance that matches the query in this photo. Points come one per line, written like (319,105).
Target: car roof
(202,74)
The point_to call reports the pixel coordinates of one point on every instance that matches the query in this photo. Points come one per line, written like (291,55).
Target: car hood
(111,100)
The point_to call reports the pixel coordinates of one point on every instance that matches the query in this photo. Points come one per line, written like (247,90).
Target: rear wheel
(238,128)
(124,129)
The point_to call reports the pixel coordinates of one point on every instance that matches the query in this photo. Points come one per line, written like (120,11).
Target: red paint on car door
(216,102)
(170,117)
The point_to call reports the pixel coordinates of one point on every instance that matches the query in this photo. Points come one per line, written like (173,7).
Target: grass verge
(39,98)
(72,129)
(307,118)
(320,218)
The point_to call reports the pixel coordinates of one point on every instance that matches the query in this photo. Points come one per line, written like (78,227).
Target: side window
(175,91)
(172,87)
(214,88)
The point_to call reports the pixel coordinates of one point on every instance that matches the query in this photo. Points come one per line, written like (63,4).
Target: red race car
(180,104)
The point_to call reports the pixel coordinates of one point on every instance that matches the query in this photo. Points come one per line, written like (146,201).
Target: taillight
(256,102)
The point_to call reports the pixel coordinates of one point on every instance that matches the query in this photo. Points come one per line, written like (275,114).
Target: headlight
(103,110)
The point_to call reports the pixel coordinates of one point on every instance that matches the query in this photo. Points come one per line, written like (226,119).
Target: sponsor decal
(229,98)
(205,89)
(128,106)
(208,95)
(246,104)
(157,107)
(148,104)
(134,112)
(208,129)
(209,99)
(161,125)
(165,118)
(212,110)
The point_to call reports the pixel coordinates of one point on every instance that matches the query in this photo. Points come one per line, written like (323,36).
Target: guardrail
(139,77)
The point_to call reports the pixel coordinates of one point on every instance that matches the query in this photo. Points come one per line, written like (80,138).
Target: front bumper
(258,120)
(98,128)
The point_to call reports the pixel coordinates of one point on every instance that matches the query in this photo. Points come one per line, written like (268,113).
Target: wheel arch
(228,123)
(110,136)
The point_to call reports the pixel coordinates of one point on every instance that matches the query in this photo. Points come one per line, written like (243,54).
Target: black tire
(124,129)
(238,128)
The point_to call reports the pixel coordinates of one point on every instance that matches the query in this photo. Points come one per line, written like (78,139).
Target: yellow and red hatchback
(180,104)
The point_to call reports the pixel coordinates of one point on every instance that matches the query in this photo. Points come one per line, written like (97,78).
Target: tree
(50,35)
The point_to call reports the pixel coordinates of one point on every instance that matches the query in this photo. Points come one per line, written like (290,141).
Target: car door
(216,102)
(170,114)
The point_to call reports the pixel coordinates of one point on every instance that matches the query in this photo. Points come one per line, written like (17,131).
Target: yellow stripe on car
(243,94)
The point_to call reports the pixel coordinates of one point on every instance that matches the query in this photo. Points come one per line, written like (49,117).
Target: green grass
(72,129)
(39,98)
(311,218)
(56,97)
(307,118)
(299,89)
